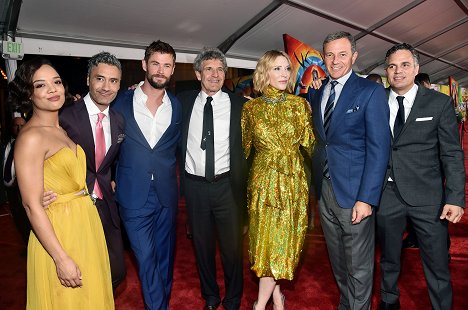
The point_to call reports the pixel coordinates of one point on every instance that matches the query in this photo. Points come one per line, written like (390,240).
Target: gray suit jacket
(427,153)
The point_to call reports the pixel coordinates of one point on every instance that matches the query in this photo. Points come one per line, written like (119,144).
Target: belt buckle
(93,197)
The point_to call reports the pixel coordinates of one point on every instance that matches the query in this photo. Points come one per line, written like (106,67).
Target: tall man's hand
(452,213)
(48,198)
(361,210)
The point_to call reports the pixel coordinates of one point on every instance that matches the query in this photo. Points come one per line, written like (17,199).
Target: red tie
(100,151)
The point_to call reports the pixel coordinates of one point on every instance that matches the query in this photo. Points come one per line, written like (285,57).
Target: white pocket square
(424,119)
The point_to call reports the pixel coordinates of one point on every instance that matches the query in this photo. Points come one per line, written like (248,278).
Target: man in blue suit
(350,117)
(146,173)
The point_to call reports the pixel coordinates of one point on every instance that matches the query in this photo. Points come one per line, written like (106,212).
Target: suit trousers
(350,249)
(151,232)
(114,243)
(431,233)
(213,214)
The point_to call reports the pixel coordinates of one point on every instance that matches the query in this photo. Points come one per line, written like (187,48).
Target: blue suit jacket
(358,142)
(138,161)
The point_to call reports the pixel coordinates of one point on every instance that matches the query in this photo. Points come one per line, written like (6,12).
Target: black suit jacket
(238,163)
(74,118)
(427,153)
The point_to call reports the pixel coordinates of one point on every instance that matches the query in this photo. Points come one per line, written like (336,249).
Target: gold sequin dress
(275,125)
(78,228)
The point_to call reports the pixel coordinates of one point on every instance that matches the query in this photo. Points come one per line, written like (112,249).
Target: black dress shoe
(386,306)
(208,307)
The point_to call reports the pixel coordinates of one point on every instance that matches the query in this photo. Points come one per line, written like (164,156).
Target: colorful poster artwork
(307,63)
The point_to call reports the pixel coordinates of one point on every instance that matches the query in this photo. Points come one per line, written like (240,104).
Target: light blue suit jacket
(358,142)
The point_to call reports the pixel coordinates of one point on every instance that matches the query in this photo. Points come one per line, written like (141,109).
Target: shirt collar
(92,108)
(410,95)
(216,97)
(342,80)
(141,97)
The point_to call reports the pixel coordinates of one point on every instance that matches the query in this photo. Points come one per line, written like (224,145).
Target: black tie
(400,117)
(326,122)
(9,161)
(207,142)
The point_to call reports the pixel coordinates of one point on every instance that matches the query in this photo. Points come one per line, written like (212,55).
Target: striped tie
(329,107)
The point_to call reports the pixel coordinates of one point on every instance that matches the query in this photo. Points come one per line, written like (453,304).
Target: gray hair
(339,35)
(208,54)
(103,58)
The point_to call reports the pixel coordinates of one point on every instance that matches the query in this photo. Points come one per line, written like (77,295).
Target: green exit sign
(12,50)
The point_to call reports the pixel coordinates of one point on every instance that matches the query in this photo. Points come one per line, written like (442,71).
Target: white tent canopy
(246,29)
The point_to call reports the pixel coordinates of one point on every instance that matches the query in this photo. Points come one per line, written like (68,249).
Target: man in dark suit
(80,120)
(214,185)
(146,173)
(349,165)
(425,180)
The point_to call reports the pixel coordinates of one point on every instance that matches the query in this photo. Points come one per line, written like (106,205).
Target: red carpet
(313,288)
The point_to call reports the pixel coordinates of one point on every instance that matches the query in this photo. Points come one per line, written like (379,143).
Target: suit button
(395,149)
(388,166)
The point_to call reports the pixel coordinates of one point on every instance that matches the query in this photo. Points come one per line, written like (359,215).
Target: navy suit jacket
(74,118)
(358,142)
(138,161)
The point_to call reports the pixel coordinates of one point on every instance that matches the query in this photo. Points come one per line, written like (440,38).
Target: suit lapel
(345,101)
(235,115)
(418,105)
(168,133)
(86,132)
(132,125)
(188,103)
(317,113)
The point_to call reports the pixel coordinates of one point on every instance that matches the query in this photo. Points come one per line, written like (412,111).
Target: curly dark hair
(21,87)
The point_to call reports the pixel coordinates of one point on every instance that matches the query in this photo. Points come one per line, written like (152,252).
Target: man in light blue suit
(146,173)
(350,117)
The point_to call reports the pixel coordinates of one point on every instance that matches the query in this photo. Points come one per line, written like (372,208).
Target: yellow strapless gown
(79,230)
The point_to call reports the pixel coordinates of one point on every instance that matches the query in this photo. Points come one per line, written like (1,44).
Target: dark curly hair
(21,87)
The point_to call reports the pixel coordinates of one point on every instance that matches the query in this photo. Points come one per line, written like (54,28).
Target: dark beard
(155,84)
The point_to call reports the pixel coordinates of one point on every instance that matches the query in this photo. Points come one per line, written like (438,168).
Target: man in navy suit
(350,116)
(79,119)
(425,180)
(146,173)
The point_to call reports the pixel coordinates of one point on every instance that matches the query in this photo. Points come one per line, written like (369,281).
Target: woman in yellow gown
(275,126)
(68,265)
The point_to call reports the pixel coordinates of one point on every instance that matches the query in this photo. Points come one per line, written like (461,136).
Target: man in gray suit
(425,179)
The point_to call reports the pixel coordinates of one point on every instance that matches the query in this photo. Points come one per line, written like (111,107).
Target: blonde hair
(261,77)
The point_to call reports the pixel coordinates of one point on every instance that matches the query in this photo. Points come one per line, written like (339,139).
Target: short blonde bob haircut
(261,77)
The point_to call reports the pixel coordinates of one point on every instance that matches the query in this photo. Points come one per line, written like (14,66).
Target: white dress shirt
(152,126)
(93,112)
(407,103)
(338,88)
(195,157)
(5,157)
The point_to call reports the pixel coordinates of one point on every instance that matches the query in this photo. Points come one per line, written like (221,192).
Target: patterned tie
(400,117)
(326,122)
(100,151)
(207,143)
